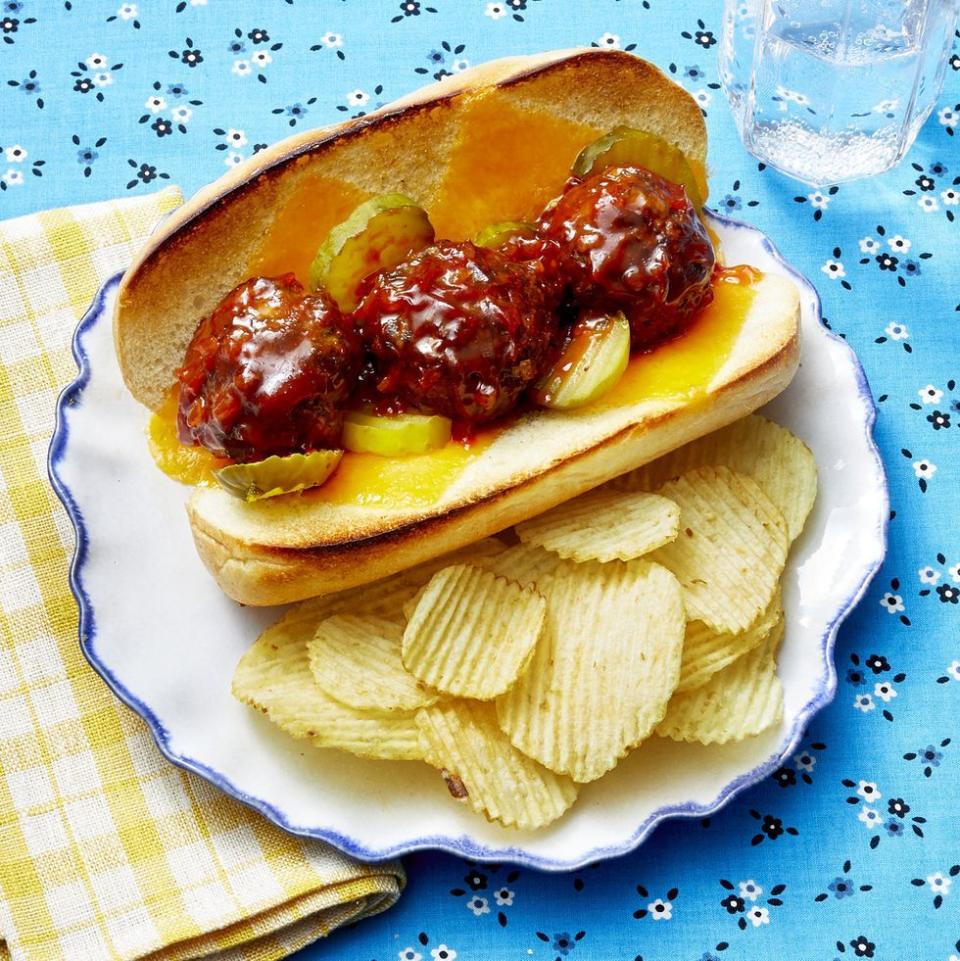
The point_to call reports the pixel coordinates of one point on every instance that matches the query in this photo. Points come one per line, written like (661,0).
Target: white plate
(158,630)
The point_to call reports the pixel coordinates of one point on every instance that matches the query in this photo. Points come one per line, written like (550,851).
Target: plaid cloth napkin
(106,850)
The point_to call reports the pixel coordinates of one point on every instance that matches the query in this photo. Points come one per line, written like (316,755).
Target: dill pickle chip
(395,435)
(379,234)
(496,235)
(629,146)
(278,475)
(590,365)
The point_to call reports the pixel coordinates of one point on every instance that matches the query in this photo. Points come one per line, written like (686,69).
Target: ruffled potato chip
(472,633)
(481,766)
(706,651)
(740,701)
(605,667)
(356,660)
(604,525)
(383,598)
(522,563)
(731,550)
(274,677)
(777,460)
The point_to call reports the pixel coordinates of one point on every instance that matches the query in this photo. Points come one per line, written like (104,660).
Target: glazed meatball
(456,330)
(631,241)
(268,372)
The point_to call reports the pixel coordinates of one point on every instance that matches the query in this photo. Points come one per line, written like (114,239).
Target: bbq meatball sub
(381,341)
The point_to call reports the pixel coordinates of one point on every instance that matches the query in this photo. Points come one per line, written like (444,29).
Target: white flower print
(155,104)
(868,245)
(127,11)
(609,40)
(758,916)
(408,954)
(892,603)
(928,575)
(953,669)
(495,11)
(869,817)
(96,61)
(102,79)
(869,791)
(181,114)
(885,691)
(442,953)
(13,178)
(885,106)
(15,154)
(232,159)
(954,573)
(357,98)
(236,138)
(703,97)
(930,394)
(924,469)
(458,66)
(939,883)
(948,116)
(660,910)
(504,897)
(750,890)
(834,269)
(818,200)
(260,58)
(928,204)
(896,331)
(864,702)
(804,761)
(332,40)
(950,197)
(478,906)
(241,68)
(900,244)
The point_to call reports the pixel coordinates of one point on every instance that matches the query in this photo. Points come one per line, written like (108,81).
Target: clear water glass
(834,90)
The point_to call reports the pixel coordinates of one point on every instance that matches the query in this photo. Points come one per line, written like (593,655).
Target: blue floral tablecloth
(852,848)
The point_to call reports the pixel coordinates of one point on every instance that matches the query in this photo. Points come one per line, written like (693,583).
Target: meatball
(631,241)
(268,372)
(456,330)
(546,261)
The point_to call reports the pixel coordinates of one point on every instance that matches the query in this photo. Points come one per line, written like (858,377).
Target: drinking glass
(833,90)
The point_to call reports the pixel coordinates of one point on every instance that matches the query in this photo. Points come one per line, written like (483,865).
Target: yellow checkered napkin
(106,850)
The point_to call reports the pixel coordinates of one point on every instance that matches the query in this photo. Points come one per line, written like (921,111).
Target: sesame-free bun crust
(288,548)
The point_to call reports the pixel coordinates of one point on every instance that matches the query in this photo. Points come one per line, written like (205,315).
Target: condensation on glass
(833,90)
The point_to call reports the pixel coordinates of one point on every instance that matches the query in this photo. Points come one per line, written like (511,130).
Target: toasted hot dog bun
(432,145)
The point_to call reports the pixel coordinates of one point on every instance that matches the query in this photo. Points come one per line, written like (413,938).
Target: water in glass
(833,90)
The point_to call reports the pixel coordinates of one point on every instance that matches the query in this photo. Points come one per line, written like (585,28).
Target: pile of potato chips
(649,606)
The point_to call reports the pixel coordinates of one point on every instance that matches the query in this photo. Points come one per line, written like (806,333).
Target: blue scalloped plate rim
(463,845)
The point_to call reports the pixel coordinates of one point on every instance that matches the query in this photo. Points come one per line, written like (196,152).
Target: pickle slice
(496,235)
(278,475)
(395,435)
(380,233)
(627,145)
(590,365)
